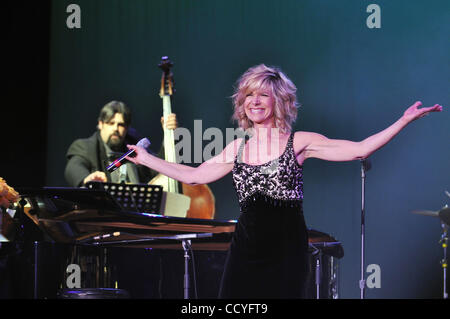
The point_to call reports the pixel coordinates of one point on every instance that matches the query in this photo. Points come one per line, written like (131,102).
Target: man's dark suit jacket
(88,155)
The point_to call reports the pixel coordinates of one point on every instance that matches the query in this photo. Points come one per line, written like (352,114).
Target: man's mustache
(116,135)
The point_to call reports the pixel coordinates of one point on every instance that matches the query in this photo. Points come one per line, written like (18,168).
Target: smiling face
(265,97)
(259,106)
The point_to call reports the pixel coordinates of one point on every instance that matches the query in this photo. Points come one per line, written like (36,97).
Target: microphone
(366,164)
(118,162)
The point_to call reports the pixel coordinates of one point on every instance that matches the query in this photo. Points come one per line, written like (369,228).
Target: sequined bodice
(279,181)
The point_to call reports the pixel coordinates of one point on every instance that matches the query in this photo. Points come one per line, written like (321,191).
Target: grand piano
(63,241)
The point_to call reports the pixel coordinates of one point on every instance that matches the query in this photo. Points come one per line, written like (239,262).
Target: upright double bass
(202,203)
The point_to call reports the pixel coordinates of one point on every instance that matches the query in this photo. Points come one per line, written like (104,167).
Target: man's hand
(171,121)
(96,176)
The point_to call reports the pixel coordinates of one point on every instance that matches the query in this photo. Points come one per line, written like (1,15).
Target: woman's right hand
(140,154)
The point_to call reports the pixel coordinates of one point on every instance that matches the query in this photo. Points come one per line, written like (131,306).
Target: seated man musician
(88,158)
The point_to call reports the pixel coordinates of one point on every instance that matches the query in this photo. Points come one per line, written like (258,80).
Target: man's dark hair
(107,112)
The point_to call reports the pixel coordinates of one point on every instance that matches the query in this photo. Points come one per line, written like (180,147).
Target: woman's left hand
(413,112)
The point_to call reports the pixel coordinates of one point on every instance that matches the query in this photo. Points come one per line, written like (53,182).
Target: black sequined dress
(267,256)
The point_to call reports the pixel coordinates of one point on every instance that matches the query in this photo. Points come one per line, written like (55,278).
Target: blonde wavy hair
(283,91)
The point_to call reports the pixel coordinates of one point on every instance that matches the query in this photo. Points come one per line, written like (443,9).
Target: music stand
(133,197)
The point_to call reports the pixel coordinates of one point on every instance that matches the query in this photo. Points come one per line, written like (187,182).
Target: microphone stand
(365,166)
(444,216)
(186,243)
(444,243)
(318,253)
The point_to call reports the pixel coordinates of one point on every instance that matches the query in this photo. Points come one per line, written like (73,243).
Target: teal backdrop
(352,82)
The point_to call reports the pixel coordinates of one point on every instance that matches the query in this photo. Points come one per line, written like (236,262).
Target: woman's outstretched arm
(318,146)
(209,171)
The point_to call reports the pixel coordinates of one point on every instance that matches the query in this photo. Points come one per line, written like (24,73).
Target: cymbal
(443,214)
